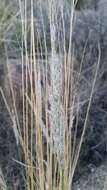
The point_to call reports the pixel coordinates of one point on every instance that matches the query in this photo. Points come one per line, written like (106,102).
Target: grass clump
(46,143)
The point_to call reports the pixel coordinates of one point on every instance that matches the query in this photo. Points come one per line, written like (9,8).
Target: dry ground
(94,180)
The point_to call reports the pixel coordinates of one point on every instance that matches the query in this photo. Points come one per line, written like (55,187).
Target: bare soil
(13,173)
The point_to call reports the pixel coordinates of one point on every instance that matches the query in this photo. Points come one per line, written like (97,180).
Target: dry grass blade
(105,184)
(2,181)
